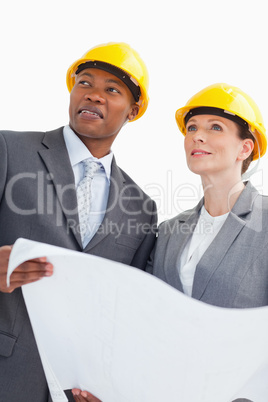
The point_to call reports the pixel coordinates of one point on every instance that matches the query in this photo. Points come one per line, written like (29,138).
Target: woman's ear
(246,149)
(133,111)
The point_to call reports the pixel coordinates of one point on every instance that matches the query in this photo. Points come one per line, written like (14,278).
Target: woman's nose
(199,136)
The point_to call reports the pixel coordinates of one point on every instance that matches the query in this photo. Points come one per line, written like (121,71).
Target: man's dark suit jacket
(38,202)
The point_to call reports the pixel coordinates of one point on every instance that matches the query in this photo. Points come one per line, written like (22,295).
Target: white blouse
(205,231)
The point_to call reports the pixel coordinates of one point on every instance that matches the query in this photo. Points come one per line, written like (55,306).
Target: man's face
(100,103)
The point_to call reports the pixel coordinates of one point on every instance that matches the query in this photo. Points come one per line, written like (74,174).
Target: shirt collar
(78,151)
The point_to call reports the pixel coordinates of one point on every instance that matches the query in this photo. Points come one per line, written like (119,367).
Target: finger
(77,398)
(33,265)
(76,394)
(40,265)
(89,397)
(83,396)
(4,255)
(32,270)
(28,272)
(23,278)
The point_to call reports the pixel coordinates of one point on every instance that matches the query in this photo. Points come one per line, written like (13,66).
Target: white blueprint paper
(126,336)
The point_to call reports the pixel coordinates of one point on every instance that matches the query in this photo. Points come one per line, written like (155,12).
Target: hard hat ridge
(216,112)
(234,104)
(118,72)
(121,56)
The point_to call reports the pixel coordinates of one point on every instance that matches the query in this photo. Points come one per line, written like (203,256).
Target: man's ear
(134,110)
(246,149)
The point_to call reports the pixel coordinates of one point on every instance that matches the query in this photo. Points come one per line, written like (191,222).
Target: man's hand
(83,396)
(29,271)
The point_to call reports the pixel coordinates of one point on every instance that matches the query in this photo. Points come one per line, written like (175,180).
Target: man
(42,185)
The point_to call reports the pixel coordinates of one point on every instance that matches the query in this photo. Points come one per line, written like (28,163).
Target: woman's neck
(220,196)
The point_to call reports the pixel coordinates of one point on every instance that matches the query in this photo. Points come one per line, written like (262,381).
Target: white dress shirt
(205,232)
(100,183)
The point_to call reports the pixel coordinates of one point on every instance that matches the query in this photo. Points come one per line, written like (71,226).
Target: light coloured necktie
(84,195)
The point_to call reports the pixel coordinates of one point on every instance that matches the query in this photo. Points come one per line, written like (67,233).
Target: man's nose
(95,95)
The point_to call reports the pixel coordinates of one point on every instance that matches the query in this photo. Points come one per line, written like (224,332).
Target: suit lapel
(180,233)
(215,253)
(56,159)
(119,197)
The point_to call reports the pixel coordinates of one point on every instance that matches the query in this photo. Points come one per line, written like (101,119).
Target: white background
(186,46)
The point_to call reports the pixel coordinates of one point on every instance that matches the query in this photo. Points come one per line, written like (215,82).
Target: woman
(217,252)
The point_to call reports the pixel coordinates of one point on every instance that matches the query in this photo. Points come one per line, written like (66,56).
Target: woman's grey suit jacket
(233,272)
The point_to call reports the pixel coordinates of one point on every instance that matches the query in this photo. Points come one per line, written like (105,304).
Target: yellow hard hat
(115,57)
(235,104)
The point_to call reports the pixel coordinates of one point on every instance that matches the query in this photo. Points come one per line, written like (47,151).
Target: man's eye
(114,90)
(84,82)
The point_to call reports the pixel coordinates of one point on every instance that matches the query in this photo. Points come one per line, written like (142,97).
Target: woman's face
(212,145)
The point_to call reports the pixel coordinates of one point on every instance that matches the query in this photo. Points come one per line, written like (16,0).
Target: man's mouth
(91,111)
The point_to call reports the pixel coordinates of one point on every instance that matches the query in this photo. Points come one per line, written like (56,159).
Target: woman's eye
(191,128)
(216,127)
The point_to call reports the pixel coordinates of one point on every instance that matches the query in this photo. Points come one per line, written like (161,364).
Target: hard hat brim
(260,145)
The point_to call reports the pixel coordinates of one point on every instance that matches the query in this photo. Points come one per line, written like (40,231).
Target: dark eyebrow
(84,73)
(193,120)
(108,81)
(115,81)
(215,119)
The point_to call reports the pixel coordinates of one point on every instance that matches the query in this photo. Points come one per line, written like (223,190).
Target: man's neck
(97,148)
